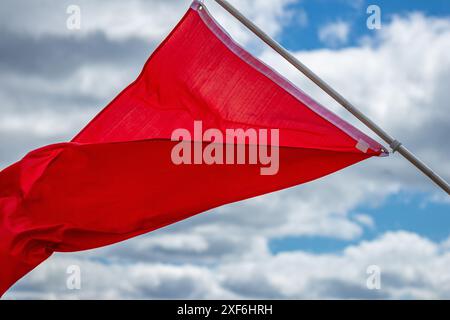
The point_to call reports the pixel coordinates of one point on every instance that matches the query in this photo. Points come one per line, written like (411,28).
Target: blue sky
(303,36)
(403,211)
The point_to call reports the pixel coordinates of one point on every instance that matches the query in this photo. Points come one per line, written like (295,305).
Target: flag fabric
(117,179)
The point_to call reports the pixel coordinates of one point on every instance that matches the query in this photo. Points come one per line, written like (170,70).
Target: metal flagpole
(393,143)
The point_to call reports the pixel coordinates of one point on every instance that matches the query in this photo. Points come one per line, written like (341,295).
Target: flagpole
(395,145)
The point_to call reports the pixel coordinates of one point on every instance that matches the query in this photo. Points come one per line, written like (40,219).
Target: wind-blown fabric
(116,180)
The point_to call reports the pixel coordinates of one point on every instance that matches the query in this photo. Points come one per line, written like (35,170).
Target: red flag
(118,178)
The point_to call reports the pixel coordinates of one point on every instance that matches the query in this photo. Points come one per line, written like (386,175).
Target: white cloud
(149,20)
(298,17)
(411,267)
(334,33)
(365,220)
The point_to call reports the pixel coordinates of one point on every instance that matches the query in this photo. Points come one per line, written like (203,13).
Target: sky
(316,240)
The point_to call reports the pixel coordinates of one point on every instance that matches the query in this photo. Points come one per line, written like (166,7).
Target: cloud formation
(411,267)
(334,33)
